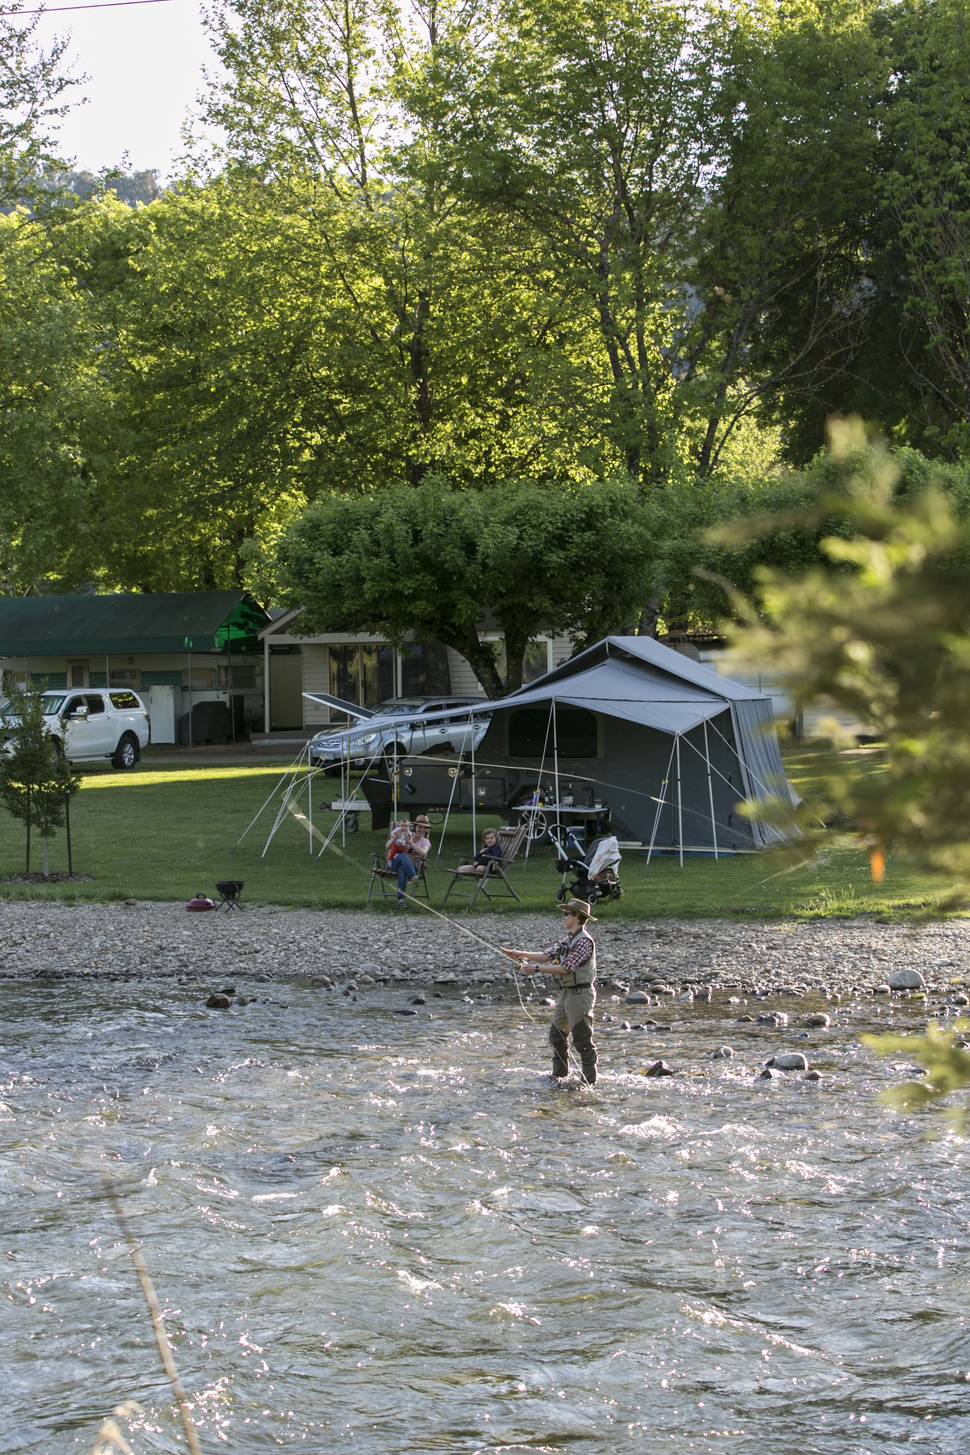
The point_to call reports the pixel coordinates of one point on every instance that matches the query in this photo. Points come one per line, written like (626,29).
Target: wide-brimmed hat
(578,906)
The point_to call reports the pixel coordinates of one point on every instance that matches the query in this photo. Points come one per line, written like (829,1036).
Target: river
(385,1234)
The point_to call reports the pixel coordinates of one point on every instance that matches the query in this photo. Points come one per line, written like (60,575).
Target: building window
(200,679)
(424,670)
(125,677)
(530,733)
(363,675)
(240,678)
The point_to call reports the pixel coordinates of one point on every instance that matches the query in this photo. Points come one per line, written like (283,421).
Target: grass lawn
(169,829)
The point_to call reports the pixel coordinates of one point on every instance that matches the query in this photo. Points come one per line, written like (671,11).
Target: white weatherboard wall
(316,678)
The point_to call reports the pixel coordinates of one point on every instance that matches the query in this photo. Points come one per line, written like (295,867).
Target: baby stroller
(595,874)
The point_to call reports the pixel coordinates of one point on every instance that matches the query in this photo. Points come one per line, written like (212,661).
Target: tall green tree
(453,350)
(35,93)
(46,395)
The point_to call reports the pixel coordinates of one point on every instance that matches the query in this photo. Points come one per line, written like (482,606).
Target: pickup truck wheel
(127,752)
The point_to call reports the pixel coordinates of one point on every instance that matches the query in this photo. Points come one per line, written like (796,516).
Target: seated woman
(490,852)
(407,850)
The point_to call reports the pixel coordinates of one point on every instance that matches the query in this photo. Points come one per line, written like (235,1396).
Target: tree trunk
(28,831)
(481,659)
(46,843)
(515,648)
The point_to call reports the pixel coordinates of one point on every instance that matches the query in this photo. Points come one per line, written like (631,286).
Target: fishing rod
(448,919)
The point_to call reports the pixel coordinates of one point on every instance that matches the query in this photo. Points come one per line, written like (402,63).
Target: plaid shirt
(574,959)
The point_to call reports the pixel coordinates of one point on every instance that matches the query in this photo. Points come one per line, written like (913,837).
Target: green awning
(172,621)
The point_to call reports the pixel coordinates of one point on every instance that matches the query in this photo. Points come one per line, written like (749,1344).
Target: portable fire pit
(230,891)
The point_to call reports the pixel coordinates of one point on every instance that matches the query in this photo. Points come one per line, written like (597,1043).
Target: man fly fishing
(572,960)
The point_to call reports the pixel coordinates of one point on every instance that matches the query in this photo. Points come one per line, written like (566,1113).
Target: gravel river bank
(161,941)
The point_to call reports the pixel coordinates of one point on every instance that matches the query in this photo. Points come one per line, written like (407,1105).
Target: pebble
(812,1076)
(419,1000)
(658,1068)
(638,997)
(404,1010)
(723,1053)
(770,1074)
(818,1021)
(773,1018)
(218,1002)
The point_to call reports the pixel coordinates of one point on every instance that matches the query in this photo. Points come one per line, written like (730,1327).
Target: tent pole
(660,803)
(344,788)
(471,720)
(555,760)
(680,806)
(309,801)
(710,790)
(531,818)
(451,798)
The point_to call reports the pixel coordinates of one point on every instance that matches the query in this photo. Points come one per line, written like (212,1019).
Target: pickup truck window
(124,701)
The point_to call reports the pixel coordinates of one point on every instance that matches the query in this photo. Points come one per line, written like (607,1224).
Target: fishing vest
(586,974)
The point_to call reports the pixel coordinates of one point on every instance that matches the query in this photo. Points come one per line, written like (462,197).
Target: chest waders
(573,1013)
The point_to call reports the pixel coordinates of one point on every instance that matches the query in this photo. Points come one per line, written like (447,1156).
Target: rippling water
(382,1234)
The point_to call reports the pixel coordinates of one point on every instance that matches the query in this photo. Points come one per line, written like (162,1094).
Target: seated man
(410,848)
(490,851)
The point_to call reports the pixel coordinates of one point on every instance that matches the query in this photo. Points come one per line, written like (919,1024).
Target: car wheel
(127,752)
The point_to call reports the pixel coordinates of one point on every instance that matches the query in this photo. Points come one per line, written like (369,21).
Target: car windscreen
(52,703)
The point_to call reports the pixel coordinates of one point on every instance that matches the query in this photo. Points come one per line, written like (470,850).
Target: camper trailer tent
(667,745)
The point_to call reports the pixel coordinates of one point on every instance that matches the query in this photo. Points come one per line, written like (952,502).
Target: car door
(102,731)
(74,729)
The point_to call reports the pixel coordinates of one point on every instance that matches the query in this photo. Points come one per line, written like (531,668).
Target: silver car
(405,738)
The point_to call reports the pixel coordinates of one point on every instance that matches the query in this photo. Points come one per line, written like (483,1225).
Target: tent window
(575,733)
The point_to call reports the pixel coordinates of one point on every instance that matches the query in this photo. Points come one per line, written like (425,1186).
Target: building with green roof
(175,648)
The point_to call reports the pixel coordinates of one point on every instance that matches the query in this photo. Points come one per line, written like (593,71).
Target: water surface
(383,1234)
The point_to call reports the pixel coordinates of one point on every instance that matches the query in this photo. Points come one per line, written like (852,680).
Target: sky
(144,67)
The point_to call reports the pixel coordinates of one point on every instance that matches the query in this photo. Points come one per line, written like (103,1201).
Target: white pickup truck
(92,724)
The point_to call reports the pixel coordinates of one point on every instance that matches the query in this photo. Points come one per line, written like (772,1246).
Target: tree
(36,782)
(447,351)
(34,95)
(881,631)
(926,211)
(46,397)
(440,561)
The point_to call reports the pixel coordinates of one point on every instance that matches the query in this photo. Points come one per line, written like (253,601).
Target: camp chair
(387,879)
(511,841)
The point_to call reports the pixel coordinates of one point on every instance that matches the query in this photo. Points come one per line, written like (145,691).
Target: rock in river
(789,1061)
(907,980)
(658,1068)
(218,1002)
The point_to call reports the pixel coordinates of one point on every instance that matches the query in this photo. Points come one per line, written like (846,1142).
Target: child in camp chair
(491,851)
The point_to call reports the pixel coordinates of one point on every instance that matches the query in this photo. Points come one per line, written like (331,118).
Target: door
(286,690)
(74,728)
(77,674)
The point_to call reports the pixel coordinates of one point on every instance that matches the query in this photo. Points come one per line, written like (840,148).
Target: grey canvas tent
(669,745)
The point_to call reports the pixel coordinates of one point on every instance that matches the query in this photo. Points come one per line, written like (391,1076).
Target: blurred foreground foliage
(944,1056)
(879,632)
